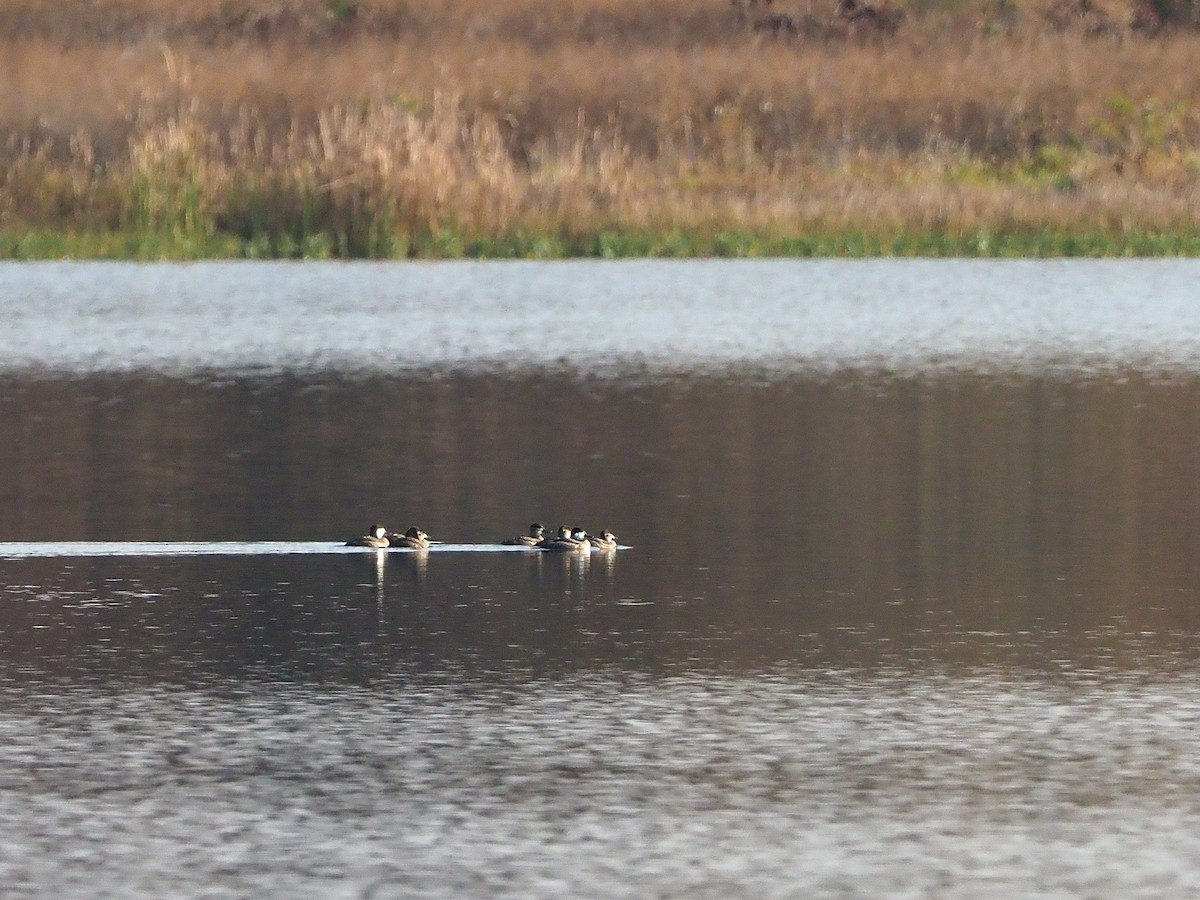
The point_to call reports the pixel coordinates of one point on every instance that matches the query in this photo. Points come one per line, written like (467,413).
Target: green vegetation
(147,246)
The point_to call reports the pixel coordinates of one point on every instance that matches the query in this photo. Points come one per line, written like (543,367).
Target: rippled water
(608,785)
(909,605)
(910,316)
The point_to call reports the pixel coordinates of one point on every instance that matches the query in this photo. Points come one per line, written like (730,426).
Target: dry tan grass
(531,115)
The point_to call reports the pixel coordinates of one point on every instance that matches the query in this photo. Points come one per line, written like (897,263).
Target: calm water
(911,603)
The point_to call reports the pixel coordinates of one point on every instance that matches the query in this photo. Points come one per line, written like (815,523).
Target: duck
(413,539)
(537,534)
(605,540)
(376,537)
(580,536)
(566,542)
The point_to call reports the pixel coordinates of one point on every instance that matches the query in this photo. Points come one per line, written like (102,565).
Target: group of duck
(568,540)
(379,538)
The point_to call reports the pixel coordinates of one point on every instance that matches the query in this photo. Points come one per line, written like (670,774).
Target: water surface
(898,316)
(910,606)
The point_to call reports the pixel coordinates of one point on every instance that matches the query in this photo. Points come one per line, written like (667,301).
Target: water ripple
(619,318)
(837,784)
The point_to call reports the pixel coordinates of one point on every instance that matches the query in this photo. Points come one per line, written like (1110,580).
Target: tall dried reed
(386,128)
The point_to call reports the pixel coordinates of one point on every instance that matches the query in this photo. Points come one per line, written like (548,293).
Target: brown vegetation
(378,122)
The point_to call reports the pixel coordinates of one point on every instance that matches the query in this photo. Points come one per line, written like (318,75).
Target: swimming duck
(536,535)
(579,536)
(565,542)
(605,540)
(414,539)
(376,537)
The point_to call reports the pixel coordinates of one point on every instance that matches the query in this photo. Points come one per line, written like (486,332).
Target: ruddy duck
(536,535)
(565,542)
(579,536)
(377,538)
(605,540)
(414,539)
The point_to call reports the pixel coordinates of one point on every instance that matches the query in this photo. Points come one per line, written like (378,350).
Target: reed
(536,128)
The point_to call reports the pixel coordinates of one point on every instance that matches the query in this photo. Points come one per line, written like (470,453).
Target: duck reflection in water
(575,566)
(414,565)
(398,568)
(380,564)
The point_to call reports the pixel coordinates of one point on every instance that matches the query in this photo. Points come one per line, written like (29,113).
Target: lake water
(909,605)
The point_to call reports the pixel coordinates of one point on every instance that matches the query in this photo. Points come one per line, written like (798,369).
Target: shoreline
(848,244)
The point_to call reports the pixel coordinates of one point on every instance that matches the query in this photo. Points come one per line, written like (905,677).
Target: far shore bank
(393,129)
